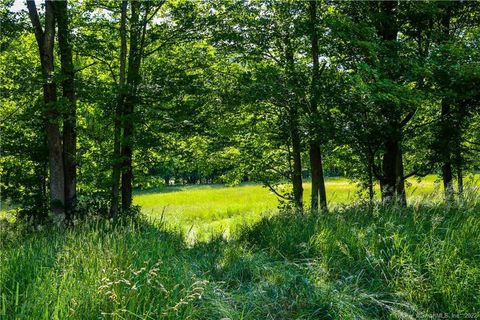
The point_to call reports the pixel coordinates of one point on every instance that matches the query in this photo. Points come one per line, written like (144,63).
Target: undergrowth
(357,262)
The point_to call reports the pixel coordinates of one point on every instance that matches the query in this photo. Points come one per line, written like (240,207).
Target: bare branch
(105,62)
(285,197)
(10,114)
(85,67)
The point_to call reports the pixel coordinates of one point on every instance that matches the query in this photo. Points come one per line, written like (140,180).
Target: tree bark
(445,151)
(137,33)
(294,128)
(446,131)
(45,40)
(69,115)
(459,172)
(392,180)
(389,174)
(297,160)
(318,181)
(117,163)
(400,180)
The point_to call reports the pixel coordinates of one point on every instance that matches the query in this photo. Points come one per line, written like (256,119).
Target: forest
(239,159)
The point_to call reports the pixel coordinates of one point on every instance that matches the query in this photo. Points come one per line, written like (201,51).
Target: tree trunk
(318,182)
(446,130)
(45,40)
(392,180)
(117,162)
(370,185)
(69,116)
(314,165)
(127,152)
(401,195)
(445,151)
(294,127)
(297,160)
(389,174)
(459,172)
(137,34)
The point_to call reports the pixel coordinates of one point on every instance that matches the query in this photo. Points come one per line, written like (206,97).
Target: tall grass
(357,262)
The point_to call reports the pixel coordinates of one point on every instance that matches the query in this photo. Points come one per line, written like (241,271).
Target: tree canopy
(101,97)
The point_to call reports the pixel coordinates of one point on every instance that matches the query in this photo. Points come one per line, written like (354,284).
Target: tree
(117,162)
(45,40)
(69,111)
(318,182)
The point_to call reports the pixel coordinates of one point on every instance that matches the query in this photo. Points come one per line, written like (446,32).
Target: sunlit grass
(208,209)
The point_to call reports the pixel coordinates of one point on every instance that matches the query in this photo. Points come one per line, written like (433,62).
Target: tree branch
(85,67)
(417,172)
(408,118)
(33,14)
(10,114)
(269,186)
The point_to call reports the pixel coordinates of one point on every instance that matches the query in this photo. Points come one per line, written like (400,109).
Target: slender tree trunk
(294,128)
(371,193)
(321,184)
(318,181)
(445,150)
(297,161)
(45,40)
(446,130)
(69,115)
(127,152)
(459,172)
(400,180)
(314,161)
(117,162)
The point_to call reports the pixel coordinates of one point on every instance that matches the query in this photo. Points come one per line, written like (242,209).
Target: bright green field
(201,210)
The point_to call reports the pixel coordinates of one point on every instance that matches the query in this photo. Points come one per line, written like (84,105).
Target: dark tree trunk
(392,180)
(318,182)
(314,161)
(45,40)
(297,160)
(459,171)
(127,152)
(371,193)
(117,163)
(294,127)
(389,174)
(137,34)
(445,151)
(400,180)
(69,115)
(446,131)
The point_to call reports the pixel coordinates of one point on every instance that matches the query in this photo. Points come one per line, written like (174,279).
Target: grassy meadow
(355,262)
(203,210)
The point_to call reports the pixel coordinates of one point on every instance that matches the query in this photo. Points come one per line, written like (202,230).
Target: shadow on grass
(355,263)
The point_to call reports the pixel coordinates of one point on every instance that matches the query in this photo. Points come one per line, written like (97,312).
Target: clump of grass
(425,256)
